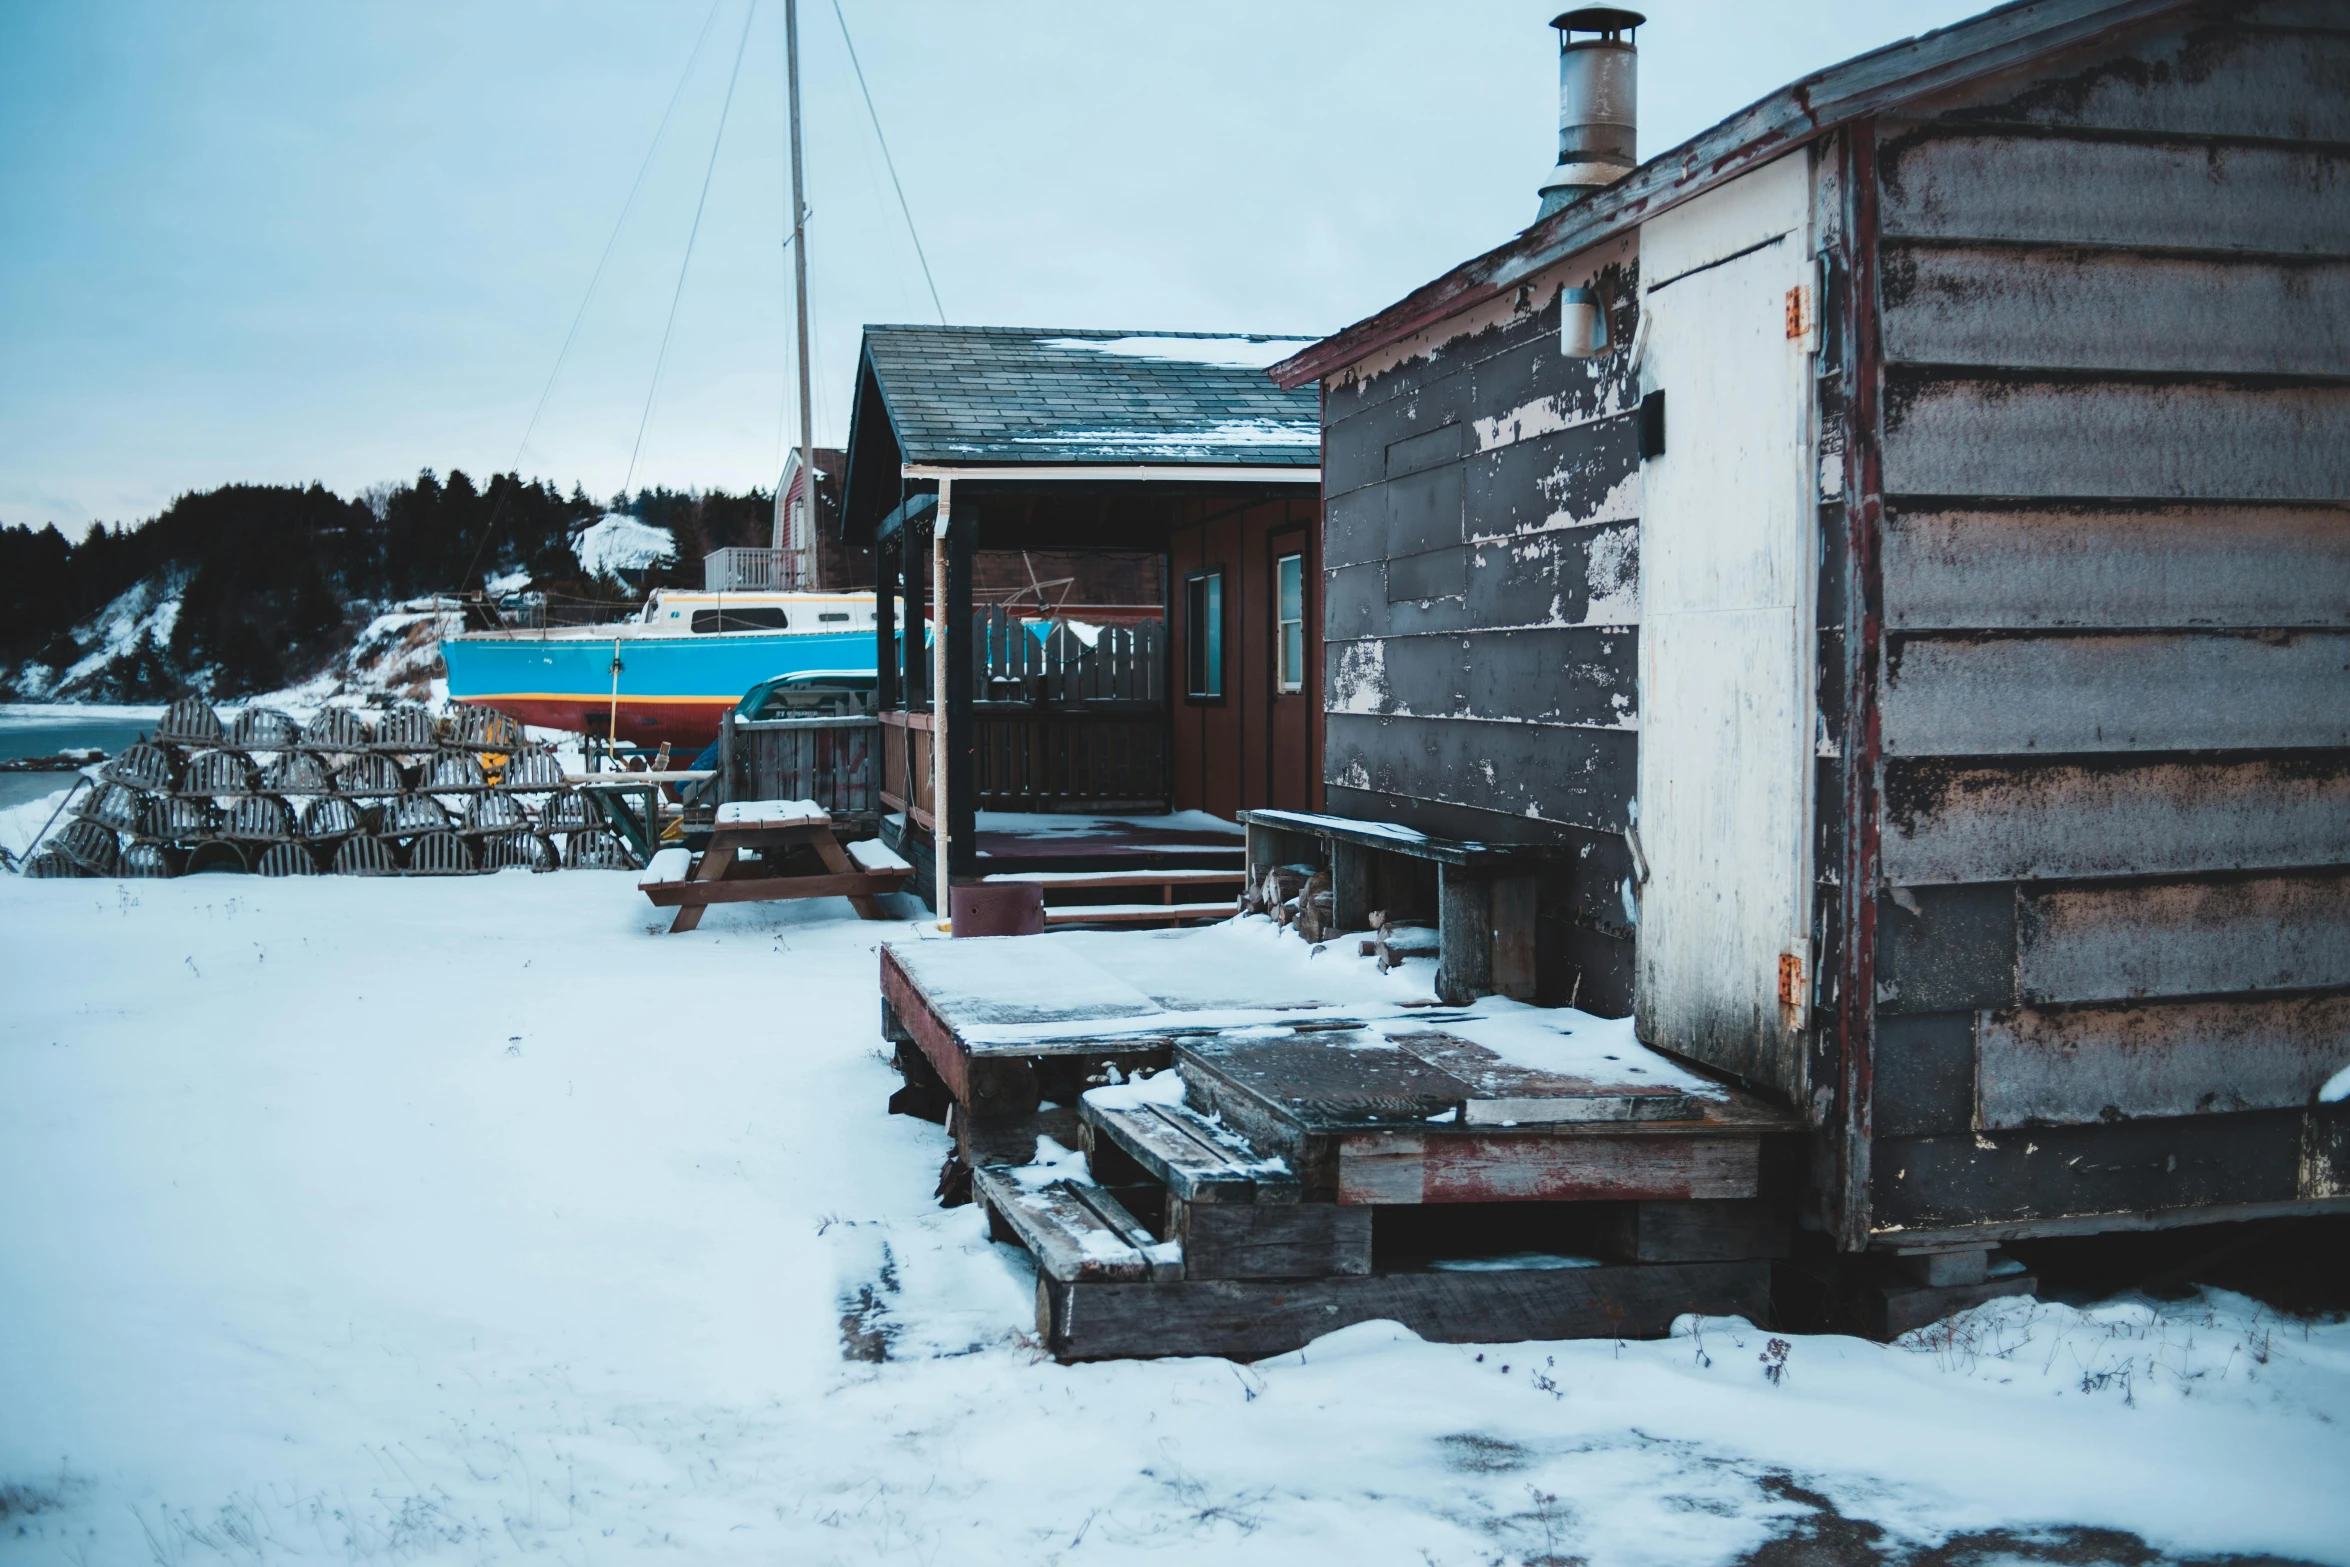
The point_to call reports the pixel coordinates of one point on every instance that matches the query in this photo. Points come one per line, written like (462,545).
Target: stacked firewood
(412,795)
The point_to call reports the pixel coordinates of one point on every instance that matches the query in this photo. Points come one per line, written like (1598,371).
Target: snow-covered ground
(472,1220)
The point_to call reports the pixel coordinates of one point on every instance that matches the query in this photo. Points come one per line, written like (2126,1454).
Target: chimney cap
(1607,20)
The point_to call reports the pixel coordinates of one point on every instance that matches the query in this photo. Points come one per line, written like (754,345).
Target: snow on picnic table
(471,1220)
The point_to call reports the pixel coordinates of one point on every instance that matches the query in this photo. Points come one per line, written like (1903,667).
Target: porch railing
(735,569)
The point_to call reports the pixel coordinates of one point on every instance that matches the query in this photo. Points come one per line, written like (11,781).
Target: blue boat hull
(673,688)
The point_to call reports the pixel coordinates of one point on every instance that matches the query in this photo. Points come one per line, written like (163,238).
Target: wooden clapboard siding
(2120,1175)
(2024,433)
(1964,695)
(2241,82)
(2184,938)
(2113,959)
(1990,821)
(2169,194)
(2080,1066)
(2068,567)
(2061,308)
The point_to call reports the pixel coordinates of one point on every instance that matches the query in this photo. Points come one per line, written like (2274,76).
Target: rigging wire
(889,162)
(692,235)
(676,95)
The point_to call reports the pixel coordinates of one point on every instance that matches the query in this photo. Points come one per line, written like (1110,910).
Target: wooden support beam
(1352,879)
(1408,1167)
(1713,1231)
(1307,1240)
(1250,1319)
(989,1087)
(1464,923)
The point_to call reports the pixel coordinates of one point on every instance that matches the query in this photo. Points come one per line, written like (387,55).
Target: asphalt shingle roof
(988,394)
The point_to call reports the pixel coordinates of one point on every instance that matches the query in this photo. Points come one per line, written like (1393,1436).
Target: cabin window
(1203,635)
(1289,622)
(745,619)
(834,614)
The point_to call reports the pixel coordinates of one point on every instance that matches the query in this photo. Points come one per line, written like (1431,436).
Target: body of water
(29,729)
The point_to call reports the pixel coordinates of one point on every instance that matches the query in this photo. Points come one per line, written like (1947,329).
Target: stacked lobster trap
(413,795)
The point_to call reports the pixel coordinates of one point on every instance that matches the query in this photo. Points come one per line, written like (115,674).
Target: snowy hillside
(396,655)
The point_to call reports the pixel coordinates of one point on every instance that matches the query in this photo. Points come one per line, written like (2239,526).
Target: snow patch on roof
(1233,353)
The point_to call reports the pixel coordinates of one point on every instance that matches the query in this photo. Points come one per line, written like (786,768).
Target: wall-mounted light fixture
(1582,323)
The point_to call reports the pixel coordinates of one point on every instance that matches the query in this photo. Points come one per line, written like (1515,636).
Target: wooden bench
(1484,897)
(860,872)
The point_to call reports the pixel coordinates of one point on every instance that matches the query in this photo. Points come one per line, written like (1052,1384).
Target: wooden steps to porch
(1312,1166)
(1073,898)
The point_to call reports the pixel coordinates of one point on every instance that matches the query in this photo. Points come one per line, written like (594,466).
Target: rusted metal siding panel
(2083,1066)
(2063,567)
(2075,190)
(2206,80)
(2032,436)
(2188,691)
(2059,308)
(1538,772)
(2184,939)
(2122,816)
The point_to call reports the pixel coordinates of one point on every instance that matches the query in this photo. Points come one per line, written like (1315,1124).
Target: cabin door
(1293,666)
(1728,577)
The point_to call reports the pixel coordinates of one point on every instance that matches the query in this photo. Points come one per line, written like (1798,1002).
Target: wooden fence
(1124,666)
(827,760)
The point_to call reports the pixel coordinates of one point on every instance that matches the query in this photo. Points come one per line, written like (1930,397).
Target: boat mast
(799,255)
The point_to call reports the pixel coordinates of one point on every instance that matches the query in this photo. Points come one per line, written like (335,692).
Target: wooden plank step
(1076,1233)
(1082,880)
(1133,913)
(1249,1319)
(1193,1157)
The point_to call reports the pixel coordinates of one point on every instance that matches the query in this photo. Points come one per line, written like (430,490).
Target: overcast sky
(247,240)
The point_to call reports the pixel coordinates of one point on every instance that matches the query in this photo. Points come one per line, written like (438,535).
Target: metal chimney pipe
(1598,103)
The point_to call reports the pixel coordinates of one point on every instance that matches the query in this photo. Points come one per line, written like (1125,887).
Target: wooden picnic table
(860,872)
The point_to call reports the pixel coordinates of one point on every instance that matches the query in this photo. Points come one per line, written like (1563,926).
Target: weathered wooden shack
(1888,560)
(1014,479)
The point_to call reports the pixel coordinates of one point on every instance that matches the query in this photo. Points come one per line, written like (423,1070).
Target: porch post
(959,813)
(941,816)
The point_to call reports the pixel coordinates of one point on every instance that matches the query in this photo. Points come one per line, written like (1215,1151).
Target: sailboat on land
(671,672)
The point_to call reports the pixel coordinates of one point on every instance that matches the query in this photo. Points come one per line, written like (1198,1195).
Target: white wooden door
(1728,577)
